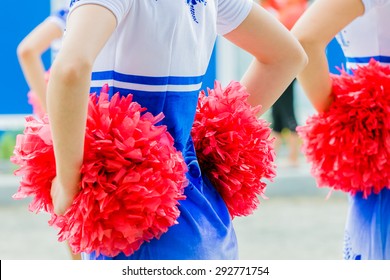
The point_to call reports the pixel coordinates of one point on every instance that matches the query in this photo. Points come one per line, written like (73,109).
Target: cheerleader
(158,51)
(361,28)
(46,35)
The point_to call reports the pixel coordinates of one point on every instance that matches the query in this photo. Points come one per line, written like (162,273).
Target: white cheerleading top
(162,45)
(59,18)
(368,36)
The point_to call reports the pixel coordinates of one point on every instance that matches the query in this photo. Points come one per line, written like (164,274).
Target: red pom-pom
(349,145)
(233,146)
(131,184)
(34,101)
(34,155)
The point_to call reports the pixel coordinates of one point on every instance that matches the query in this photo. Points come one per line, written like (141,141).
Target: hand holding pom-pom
(132,178)
(349,145)
(233,147)
(62,197)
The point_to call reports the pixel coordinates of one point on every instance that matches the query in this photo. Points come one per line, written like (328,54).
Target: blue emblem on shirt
(72,2)
(192,4)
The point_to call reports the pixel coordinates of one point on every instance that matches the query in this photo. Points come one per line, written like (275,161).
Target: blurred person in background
(47,35)
(362,29)
(115,43)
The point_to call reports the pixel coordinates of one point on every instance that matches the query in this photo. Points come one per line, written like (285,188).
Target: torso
(368,36)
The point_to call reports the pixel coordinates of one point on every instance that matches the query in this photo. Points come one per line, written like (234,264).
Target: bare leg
(73,256)
(294,148)
(278,141)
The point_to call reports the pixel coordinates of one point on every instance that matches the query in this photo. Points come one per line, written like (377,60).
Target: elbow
(306,44)
(301,57)
(311,44)
(291,56)
(306,40)
(296,57)
(322,105)
(71,71)
(25,51)
(301,52)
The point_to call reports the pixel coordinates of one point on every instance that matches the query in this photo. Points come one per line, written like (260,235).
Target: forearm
(314,30)
(67,96)
(67,101)
(266,82)
(315,79)
(278,57)
(34,73)
(69,87)
(29,53)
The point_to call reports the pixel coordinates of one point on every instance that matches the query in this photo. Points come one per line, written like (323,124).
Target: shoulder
(232,13)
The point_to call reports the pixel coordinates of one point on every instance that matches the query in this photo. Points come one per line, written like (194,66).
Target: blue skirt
(367,233)
(204,231)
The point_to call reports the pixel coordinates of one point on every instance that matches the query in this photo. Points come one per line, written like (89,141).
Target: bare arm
(29,53)
(278,57)
(315,29)
(68,92)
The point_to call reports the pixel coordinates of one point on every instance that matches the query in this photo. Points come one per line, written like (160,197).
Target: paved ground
(296,222)
(293,228)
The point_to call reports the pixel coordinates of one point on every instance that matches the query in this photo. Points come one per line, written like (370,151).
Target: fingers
(61,198)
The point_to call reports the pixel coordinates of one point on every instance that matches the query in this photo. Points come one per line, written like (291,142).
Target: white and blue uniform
(367,233)
(59,18)
(159,52)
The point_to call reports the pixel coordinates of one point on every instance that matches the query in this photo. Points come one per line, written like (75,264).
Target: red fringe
(233,147)
(349,145)
(34,101)
(132,178)
(34,155)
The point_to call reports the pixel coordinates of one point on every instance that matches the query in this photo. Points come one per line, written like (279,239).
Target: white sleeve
(59,18)
(231,13)
(369,4)
(118,7)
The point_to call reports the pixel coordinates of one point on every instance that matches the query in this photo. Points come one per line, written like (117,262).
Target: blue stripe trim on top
(366,59)
(125,91)
(146,80)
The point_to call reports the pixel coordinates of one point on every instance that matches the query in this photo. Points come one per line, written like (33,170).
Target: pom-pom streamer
(349,145)
(132,177)
(233,146)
